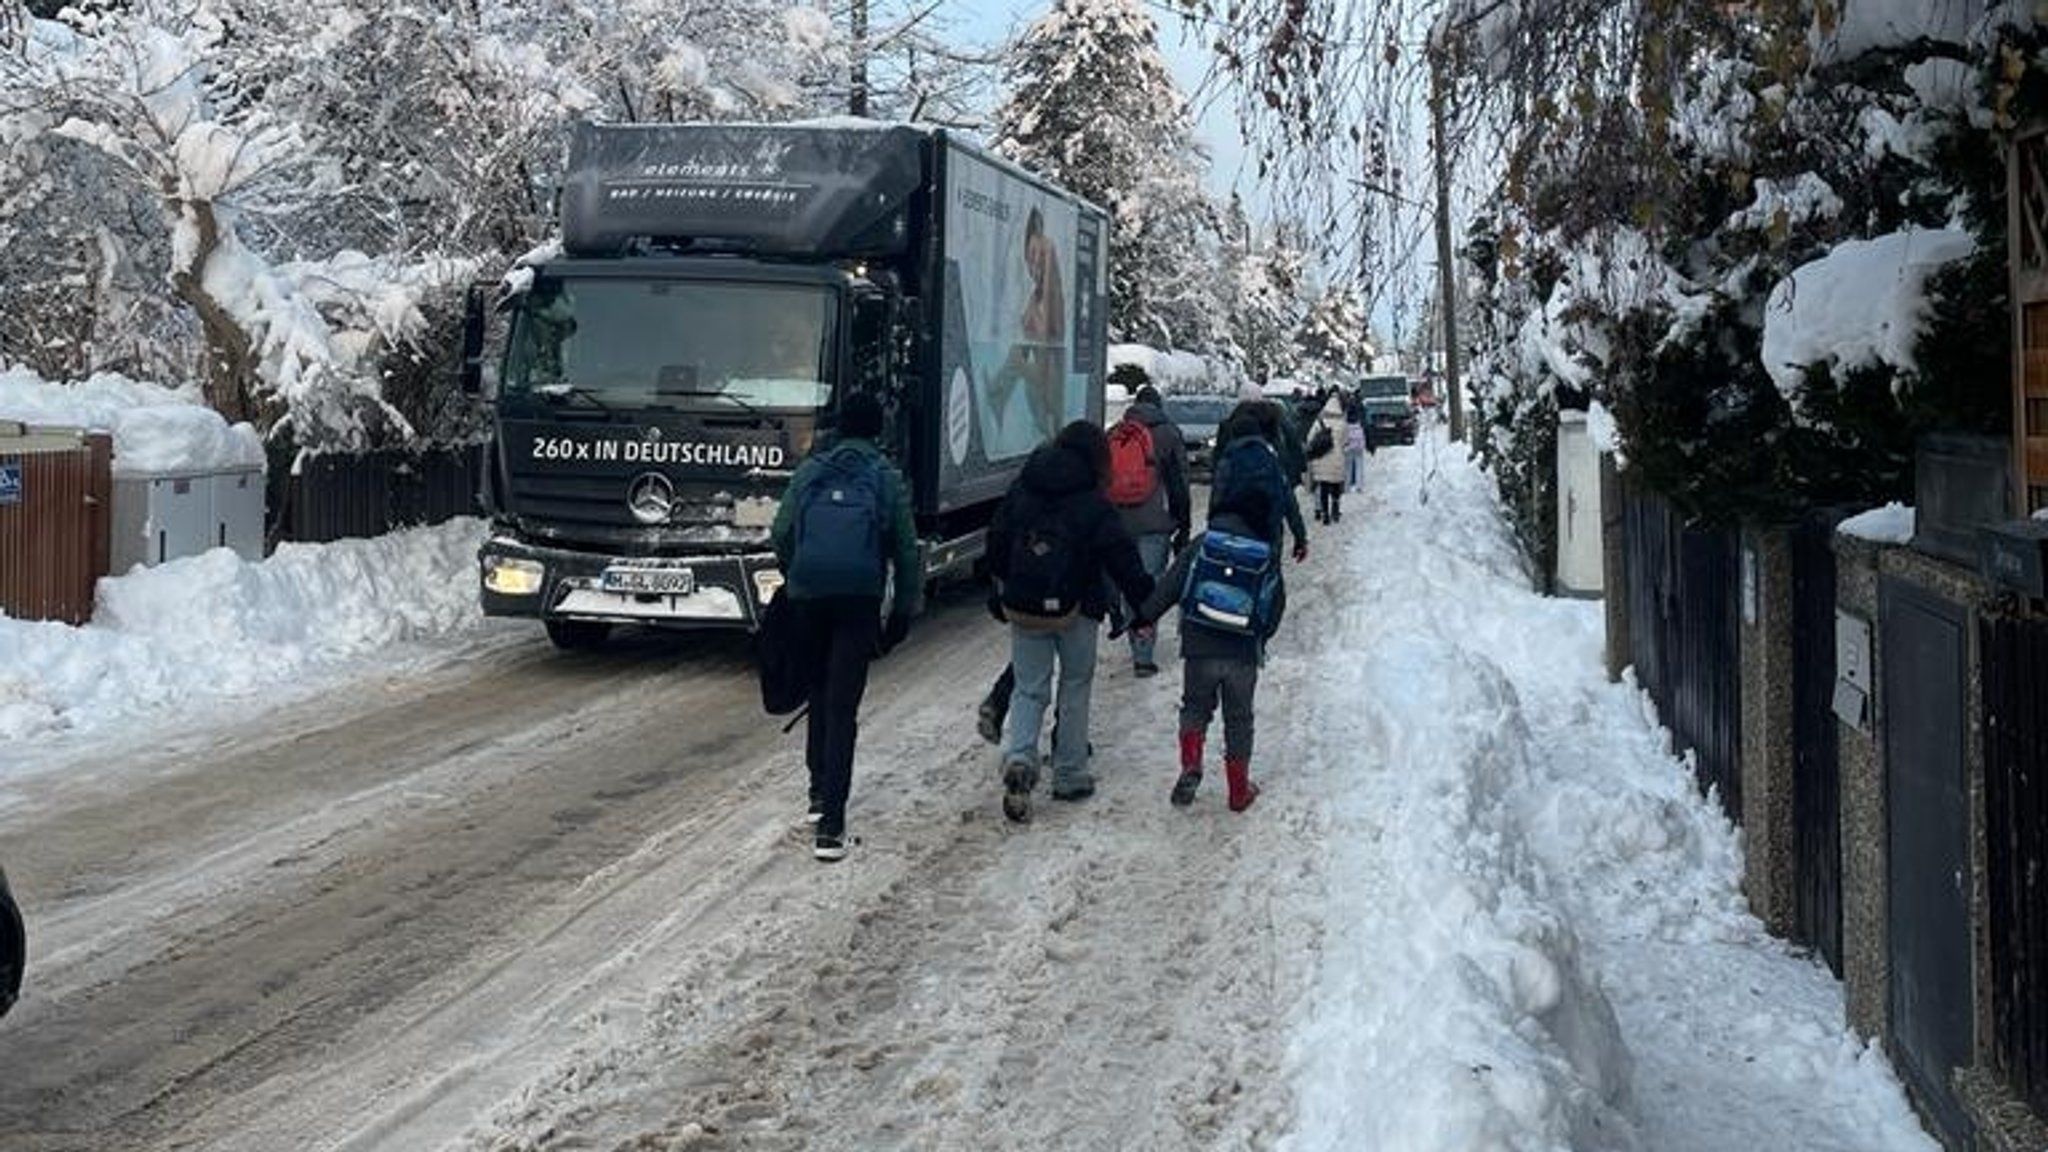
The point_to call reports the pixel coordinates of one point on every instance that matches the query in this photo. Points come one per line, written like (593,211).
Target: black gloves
(893,632)
(1300,551)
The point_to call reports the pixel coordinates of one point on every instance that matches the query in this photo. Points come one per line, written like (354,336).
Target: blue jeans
(1033,655)
(1353,457)
(1153,548)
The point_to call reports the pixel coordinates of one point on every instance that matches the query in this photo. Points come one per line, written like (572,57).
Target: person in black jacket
(1218,665)
(1052,540)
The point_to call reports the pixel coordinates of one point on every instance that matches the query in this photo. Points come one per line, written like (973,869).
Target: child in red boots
(1222,647)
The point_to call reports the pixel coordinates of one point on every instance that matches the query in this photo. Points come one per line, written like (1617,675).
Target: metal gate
(1923,655)
(1816,762)
(2015,658)
(1684,632)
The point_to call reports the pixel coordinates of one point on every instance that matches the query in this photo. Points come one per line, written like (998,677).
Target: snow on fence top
(1861,304)
(155,429)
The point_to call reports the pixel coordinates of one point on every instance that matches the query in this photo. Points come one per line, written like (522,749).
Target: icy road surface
(541,901)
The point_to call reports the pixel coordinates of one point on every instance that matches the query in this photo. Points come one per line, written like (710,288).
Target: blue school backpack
(837,549)
(1232,584)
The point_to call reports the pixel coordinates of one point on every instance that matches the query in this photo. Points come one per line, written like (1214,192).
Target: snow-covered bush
(1761,240)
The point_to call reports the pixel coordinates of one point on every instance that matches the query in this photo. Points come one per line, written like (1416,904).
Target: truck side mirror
(910,321)
(473,339)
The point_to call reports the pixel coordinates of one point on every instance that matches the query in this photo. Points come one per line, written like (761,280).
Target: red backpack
(1133,475)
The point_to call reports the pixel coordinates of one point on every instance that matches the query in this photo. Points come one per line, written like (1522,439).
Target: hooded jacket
(1167,511)
(1059,481)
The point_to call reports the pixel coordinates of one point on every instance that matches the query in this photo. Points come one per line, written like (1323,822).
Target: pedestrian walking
(1250,457)
(1228,588)
(843,528)
(1148,484)
(1326,464)
(1053,539)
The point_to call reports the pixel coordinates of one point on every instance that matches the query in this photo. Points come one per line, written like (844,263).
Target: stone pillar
(1614,564)
(1768,763)
(1866,954)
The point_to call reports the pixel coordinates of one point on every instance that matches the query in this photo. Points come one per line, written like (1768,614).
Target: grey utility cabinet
(163,516)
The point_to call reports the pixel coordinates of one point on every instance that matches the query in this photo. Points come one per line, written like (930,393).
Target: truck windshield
(692,345)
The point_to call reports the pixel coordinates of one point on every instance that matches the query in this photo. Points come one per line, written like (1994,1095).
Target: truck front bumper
(523,579)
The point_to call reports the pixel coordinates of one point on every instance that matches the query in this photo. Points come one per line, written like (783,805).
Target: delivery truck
(717,291)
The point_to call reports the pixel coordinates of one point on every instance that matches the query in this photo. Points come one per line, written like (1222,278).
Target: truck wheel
(577,635)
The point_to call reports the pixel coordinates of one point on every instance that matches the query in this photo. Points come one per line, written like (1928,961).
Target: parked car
(13,947)
(1389,410)
(1198,416)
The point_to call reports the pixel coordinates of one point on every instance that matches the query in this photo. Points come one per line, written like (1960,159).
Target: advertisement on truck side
(1025,281)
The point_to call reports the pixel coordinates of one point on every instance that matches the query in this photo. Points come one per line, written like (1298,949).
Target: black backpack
(1320,441)
(1043,589)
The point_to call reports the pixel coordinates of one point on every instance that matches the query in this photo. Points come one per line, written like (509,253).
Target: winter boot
(1238,774)
(1019,778)
(1190,767)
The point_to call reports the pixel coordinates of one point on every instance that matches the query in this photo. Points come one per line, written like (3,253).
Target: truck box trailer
(718,290)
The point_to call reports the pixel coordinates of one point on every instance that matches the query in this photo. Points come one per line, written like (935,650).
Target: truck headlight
(510,576)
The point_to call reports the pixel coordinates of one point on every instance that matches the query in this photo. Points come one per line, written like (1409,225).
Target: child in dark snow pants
(1217,667)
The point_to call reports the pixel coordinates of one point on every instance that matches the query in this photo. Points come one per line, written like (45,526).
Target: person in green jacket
(842,531)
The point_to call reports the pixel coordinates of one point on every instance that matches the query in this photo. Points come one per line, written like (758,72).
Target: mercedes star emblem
(650,497)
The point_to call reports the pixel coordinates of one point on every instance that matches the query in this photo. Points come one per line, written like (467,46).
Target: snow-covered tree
(283,198)
(1092,106)
(1335,334)
(1262,284)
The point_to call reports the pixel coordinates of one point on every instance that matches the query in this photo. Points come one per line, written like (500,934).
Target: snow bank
(1463,949)
(155,429)
(1859,305)
(215,625)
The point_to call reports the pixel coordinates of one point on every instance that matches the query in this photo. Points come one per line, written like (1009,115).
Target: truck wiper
(715,393)
(578,391)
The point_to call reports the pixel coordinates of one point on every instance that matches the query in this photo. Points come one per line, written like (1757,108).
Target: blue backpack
(1231,585)
(837,549)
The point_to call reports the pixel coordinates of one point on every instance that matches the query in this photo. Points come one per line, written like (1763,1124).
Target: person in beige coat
(1326,462)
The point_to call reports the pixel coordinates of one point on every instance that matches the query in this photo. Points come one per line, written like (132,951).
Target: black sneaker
(1144,668)
(817,811)
(1184,789)
(829,849)
(1018,780)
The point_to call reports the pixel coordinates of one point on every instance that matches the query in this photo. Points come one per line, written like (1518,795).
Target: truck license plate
(648,581)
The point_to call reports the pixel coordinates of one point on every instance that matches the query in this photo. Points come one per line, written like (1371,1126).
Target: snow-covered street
(500,898)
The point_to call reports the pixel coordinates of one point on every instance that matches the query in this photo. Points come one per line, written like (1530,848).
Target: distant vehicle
(1389,410)
(13,947)
(1198,416)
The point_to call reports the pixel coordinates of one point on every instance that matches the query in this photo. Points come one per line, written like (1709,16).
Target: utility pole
(857,96)
(1445,267)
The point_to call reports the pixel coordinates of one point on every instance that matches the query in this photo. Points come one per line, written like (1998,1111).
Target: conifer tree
(1091,105)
